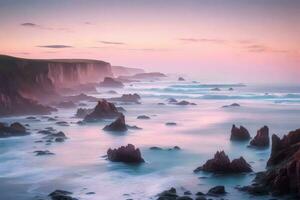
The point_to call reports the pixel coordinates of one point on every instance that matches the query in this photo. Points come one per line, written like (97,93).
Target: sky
(248,41)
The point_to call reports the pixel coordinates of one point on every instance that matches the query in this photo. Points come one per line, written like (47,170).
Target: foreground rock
(262,138)
(118,125)
(110,82)
(126,154)
(221,164)
(61,195)
(239,134)
(15,129)
(103,110)
(283,174)
(128,98)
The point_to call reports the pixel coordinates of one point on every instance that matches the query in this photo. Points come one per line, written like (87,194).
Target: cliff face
(24,79)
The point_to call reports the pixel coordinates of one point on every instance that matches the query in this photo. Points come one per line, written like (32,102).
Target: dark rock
(59,139)
(221,164)
(127,154)
(118,125)
(262,138)
(143,117)
(181,79)
(230,89)
(128,98)
(133,127)
(80,97)
(199,194)
(187,193)
(172,100)
(111,92)
(184,198)
(61,195)
(51,119)
(62,123)
(184,103)
(170,194)
(200,198)
(215,89)
(232,105)
(110,82)
(156,148)
(171,124)
(43,153)
(103,110)
(239,134)
(31,118)
(83,112)
(15,129)
(216,191)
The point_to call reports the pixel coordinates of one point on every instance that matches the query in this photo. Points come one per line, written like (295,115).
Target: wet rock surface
(126,154)
(239,134)
(262,138)
(221,164)
(103,110)
(14,129)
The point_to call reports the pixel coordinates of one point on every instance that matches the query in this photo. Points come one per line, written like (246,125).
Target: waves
(207,85)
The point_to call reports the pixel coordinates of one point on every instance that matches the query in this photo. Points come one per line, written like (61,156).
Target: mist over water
(79,166)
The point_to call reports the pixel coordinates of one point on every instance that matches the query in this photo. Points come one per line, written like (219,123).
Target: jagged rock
(103,110)
(221,164)
(143,117)
(262,138)
(184,103)
(110,82)
(127,154)
(128,98)
(283,174)
(43,153)
(232,105)
(118,125)
(181,79)
(61,195)
(216,191)
(15,129)
(239,134)
(83,112)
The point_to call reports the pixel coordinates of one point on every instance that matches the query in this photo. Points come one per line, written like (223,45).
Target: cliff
(125,71)
(23,80)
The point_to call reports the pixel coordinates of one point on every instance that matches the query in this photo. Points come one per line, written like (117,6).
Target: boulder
(181,79)
(126,154)
(239,134)
(262,138)
(170,194)
(103,110)
(15,129)
(232,105)
(143,117)
(118,125)
(61,195)
(216,191)
(184,103)
(221,164)
(110,82)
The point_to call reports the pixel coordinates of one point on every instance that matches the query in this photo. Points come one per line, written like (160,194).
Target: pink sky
(211,41)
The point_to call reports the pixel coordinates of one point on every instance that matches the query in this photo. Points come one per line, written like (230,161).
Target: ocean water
(79,166)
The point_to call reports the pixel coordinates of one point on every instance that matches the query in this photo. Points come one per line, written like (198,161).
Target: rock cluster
(221,164)
(126,154)
(15,129)
(262,138)
(239,134)
(103,110)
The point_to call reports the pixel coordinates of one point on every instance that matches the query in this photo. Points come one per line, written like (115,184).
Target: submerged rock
(231,105)
(110,82)
(239,134)
(103,110)
(61,195)
(215,89)
(171,124)
(43,153)
(126,154)
(118,125)
(262,138)
(143,117)
(221,164)
(15,129)
(184,103)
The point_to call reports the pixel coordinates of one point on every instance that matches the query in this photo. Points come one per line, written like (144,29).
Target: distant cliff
(125,71)
(24,79)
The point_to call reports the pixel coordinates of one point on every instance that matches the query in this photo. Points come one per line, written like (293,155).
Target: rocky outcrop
(110,82)
(239,134)
(118,125)
(15,129)
(283,174)
(103,110)
(128,98)
(184,103)
(125,71)
(24,82)
(221,164)
(126,154)
(262,138)
(83,112)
